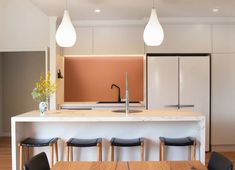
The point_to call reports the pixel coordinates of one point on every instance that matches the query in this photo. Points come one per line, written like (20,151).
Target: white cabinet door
(223,99)
(223,38)
(118,40)
(162,82)
(184,38)
(83,45)
(195,87)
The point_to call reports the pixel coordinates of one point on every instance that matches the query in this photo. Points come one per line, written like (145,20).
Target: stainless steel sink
(103,102)
(124,111)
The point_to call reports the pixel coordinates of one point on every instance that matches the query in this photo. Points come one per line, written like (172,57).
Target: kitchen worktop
(95,105)
(109,115)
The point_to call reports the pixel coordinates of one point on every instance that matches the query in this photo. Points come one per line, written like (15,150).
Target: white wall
(1,93)
(23,26)
(21,70)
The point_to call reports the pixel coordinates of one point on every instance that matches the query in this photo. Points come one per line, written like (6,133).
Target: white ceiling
(136,9)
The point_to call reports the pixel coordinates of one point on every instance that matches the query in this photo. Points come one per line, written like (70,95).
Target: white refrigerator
(180,82)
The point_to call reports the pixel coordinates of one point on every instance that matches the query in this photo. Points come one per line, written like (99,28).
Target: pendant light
(66,34)
(153,32)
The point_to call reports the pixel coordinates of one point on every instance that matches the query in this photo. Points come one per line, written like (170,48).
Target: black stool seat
(187,141)
(83,142)
(126,142)
(31,142)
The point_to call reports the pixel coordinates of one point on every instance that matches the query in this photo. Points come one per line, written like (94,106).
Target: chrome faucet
(127,95)
(119,96)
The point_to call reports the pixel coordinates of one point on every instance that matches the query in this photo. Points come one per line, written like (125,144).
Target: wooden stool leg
(161,156)
(27,154)
(111,153)
(99,157)
(21,158)
(193,151)
(71,153)
(56,151)
(52,155)
(67,153)
(142,151)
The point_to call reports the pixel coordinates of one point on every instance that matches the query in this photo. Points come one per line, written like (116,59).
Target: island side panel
(150,130)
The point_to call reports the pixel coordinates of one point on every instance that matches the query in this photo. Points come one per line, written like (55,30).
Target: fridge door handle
(186,105)
(172,105)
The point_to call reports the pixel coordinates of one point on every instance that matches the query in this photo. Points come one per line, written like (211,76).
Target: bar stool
(31,142)
(187,141)
(126,143)
(75,142)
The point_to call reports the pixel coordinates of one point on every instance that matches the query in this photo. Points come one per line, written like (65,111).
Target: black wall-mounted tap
(119,96)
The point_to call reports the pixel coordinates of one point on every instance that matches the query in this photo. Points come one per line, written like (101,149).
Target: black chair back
(38,162)
(219,162)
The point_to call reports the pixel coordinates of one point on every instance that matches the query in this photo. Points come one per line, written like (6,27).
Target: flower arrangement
(44,88)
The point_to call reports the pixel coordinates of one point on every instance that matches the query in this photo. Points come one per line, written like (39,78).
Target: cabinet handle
(186,105)
(173,105)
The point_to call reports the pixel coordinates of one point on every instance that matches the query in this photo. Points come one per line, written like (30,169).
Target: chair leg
(161,156)
(99,157)
(71,153)
(52,155)
(111,153)
(142,151)
(67,153)
(21,157)
(193,151)
(56,151)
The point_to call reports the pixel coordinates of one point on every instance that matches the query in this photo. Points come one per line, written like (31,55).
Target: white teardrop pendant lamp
(153,32)
(66,34)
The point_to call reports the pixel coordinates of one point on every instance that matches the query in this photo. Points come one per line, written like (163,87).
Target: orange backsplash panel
(90,78)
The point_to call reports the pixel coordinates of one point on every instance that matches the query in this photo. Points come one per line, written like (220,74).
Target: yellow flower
(44,88)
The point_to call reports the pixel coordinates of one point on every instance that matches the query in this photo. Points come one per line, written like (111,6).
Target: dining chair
(219,162)
(38,162)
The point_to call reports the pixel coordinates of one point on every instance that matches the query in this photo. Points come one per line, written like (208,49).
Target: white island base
(107,124)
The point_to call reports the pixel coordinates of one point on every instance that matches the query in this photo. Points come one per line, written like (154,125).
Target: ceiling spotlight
(97,10)
(215,10)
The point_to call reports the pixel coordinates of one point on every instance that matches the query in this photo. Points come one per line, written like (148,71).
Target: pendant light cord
(153,4)
(66,5)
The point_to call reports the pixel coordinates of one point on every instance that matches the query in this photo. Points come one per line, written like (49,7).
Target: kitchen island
(149,124)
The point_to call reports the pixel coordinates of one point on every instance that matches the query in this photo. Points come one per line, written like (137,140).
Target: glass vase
(42,108)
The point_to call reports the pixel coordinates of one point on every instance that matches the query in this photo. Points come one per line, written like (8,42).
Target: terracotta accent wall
(90,78)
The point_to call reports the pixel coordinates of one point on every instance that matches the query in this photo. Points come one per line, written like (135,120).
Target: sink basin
(124,111)
(103,102)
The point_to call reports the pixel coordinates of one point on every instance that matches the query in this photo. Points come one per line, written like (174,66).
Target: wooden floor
(5,154)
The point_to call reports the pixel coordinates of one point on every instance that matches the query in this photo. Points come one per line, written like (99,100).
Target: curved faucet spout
(119,96)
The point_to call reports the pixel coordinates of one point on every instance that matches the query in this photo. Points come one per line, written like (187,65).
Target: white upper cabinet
(184,38)
(83,45)
(223,38)
(118,40)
